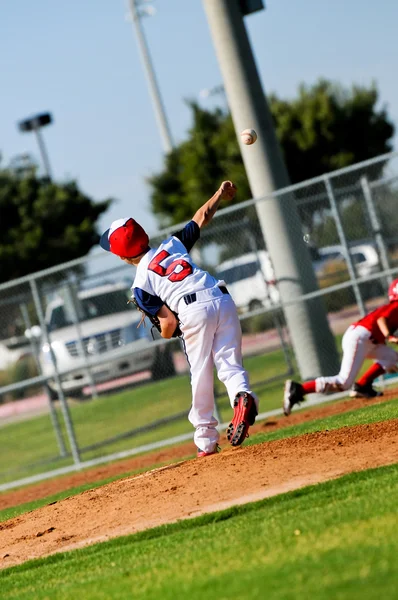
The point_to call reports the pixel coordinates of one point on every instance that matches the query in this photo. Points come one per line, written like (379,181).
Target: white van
(250,279)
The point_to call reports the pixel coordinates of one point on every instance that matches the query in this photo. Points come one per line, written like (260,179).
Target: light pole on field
(35,124)
(137,11)
(310,333)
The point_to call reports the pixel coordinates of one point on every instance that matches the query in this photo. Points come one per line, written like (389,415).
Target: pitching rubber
(245,413)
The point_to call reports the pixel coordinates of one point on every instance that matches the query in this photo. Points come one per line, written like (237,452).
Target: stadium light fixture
(35,124)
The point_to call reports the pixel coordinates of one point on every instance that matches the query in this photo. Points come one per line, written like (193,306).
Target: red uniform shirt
(389,312)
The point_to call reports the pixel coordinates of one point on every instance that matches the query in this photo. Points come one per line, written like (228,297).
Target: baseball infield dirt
(191,487)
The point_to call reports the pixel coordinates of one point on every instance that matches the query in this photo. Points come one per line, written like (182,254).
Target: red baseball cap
(125,238)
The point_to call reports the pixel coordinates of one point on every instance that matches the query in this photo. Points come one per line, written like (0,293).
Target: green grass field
(329,541)
(29,447)
(335,540)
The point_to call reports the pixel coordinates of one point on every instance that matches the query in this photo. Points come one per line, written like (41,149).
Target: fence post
(53,412)
(275,317)
(343,241)
(70,301)
(64,406)
(376,226)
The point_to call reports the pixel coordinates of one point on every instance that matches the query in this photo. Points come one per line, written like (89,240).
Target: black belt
(190,298)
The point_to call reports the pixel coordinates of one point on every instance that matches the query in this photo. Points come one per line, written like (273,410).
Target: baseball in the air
(248,136)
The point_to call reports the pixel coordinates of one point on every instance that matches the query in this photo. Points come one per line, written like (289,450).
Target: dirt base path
(193,487)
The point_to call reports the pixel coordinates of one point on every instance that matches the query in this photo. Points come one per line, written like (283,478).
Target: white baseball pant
(357,346)
(212,337)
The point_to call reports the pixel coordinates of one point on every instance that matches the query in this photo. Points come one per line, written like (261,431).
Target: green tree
(326,127)
(43,224)
(195,168)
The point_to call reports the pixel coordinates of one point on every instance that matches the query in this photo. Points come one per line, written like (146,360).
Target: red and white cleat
(245,412)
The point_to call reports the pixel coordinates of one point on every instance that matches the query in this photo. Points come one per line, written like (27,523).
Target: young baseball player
(167,281)
(365,338)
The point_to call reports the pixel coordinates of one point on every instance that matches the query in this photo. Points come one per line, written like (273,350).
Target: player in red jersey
(363,339)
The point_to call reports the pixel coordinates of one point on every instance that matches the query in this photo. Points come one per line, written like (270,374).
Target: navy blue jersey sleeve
(149,303)
(189,235)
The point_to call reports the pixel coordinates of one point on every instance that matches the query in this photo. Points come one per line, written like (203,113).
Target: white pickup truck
(108,327)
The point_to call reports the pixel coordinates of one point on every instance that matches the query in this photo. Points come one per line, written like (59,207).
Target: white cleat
(293,394)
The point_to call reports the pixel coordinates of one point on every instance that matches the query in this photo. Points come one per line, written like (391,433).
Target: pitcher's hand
(228,190)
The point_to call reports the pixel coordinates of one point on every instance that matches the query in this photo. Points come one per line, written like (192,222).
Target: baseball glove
(154,320)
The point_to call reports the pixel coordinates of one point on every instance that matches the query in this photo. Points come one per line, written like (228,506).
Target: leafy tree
(324,128)
(43,224)
(195,168)
(328,127)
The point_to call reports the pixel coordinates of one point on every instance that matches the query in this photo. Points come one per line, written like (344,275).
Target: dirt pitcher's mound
(190,488)
(171,454)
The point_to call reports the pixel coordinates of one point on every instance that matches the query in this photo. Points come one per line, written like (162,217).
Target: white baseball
(248,136)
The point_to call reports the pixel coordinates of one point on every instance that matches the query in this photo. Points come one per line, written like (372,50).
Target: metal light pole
(310,333)
(160,114)
(35,124)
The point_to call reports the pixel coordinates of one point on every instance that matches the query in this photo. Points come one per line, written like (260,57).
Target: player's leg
(386,359)
(227,352)
(385,356)
(198,323)
(356,346)
(363,387)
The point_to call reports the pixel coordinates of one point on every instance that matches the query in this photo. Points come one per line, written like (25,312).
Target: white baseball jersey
(211,332)
(167,273)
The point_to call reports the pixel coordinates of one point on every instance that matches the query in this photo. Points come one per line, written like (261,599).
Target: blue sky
(79,60)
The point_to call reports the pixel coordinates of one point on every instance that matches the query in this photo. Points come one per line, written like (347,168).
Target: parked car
(364,257)
(108,323)
(250,279)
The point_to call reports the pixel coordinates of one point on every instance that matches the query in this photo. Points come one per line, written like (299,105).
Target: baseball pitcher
(187,301)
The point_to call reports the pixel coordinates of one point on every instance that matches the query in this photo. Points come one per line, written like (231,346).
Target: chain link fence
(81,384)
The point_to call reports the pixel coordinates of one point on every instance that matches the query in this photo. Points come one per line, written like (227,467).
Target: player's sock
(370,375)
(308,387)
